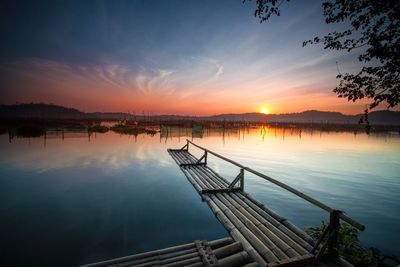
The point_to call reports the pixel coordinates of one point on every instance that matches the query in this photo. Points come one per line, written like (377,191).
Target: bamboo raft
(268,238)
(259,236)
(222,252)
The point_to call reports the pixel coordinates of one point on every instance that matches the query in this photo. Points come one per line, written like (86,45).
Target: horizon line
(150,113)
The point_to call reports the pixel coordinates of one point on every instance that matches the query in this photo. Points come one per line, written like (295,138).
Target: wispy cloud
(153,80)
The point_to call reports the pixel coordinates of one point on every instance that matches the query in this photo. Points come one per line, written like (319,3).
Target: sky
(188,57)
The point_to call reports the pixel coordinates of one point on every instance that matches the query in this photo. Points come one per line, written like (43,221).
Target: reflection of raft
(164,129)
(168,131)
(197,131)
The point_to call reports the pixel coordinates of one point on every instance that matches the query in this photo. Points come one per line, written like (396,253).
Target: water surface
(77,200)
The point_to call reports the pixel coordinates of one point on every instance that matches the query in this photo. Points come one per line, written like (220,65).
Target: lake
(83,198)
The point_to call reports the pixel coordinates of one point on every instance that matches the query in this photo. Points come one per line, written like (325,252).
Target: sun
(264,110)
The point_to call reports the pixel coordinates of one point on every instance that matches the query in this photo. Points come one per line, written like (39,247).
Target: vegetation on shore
(30,131)
(349,247)
(98,129)
(37,128)
(127,129)
(3,130)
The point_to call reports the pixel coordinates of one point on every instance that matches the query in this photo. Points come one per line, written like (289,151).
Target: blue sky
(183,57)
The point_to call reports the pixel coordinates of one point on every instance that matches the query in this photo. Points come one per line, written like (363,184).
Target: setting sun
(264,110)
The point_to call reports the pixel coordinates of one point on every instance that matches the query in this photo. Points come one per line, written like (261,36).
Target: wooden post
(334,225)
(242,179)
(45,137)
(239,178)
(184,148)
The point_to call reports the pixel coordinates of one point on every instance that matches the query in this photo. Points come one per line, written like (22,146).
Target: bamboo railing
(335,215)
(310,199)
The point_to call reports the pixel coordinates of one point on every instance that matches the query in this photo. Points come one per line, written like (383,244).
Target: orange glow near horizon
(109,88)
(264,110)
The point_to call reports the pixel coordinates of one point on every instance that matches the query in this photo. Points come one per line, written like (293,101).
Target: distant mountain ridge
(51,111)
(40,110)
(314,116)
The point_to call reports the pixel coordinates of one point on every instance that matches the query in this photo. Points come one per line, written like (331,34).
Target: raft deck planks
(266,236)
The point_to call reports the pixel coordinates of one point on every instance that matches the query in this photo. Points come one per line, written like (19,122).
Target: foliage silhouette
(132,130)
(374,28)
(350,248)
(98,129)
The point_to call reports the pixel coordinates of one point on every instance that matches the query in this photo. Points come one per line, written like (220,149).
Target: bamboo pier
(259,236)
(269,239)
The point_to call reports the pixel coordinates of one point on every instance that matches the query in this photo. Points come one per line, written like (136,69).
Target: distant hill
(306,116)
(51,111)
(385,117)
(48,111)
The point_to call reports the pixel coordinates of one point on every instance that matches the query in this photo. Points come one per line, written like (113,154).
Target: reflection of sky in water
(106,150)
(86,201)
(357,173)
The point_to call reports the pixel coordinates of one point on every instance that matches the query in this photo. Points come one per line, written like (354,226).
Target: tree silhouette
(374,26)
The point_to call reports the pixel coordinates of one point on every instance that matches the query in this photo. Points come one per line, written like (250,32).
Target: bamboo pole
(175,260)
(183,157)
(197,264)
(297,261)
(207,181)
(188,157)
(253,264)
(230,249)
(197,179)
(208,172)
(157,261)
(234,260)
(215,244)
(161,259)
(182,263)
(141,255)
(174,155)
(194,183)
(211,185)
(180,157)
(149,261)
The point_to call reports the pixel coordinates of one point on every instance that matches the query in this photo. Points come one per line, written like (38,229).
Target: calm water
(74,201)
